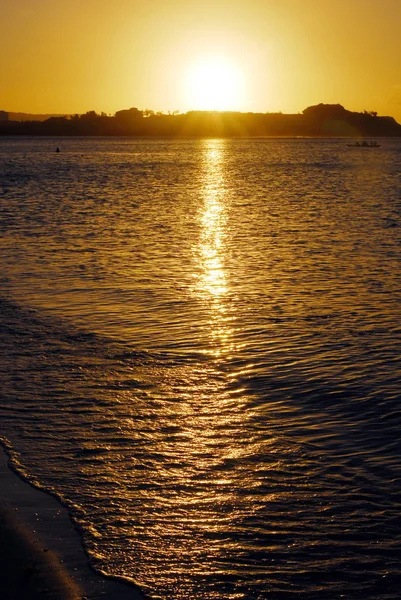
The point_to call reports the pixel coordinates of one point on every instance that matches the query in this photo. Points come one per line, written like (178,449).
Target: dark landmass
(18,116)
(322,120)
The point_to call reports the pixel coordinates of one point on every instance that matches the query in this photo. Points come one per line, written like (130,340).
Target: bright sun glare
(214,84)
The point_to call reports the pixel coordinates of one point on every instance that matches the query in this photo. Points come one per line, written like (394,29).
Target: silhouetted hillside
(321,120)
(18,116)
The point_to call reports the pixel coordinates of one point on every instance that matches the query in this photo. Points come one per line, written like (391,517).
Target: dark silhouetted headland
(322,120)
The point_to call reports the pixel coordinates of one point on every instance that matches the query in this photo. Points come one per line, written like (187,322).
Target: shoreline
(42,553)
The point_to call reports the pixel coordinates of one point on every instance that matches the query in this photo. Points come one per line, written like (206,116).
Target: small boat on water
(364,145)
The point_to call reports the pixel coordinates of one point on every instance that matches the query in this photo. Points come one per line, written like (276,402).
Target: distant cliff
(335,120)
(322,120)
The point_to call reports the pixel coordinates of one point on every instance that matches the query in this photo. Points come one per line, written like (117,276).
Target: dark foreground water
(201,355)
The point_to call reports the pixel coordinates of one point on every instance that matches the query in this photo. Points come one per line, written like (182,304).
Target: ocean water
(201,356)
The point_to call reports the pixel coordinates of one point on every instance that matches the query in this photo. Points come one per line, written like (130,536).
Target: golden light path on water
(212,284)
(192,494)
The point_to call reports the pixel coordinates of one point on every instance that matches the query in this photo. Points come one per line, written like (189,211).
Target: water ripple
(200,354)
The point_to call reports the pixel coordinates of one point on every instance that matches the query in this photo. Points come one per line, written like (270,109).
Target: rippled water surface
(200,354)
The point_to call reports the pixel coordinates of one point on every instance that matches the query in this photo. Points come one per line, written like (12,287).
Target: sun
(214,84)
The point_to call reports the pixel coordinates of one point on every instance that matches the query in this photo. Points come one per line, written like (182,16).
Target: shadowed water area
(201,356)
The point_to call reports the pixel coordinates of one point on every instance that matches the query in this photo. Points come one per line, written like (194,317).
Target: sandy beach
(41,553)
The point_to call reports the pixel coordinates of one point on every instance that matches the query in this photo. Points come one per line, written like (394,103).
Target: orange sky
(71,56)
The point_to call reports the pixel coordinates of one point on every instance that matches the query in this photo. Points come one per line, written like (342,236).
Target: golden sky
(71,56)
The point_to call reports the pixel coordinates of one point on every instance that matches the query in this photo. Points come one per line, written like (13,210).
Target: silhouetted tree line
(319,120)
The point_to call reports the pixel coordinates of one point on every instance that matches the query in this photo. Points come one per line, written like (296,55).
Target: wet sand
(41,553)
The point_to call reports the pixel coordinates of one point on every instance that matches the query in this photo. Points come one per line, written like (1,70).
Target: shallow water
(201,356)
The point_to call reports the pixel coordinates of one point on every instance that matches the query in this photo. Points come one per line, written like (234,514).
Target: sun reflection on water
(212,283)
